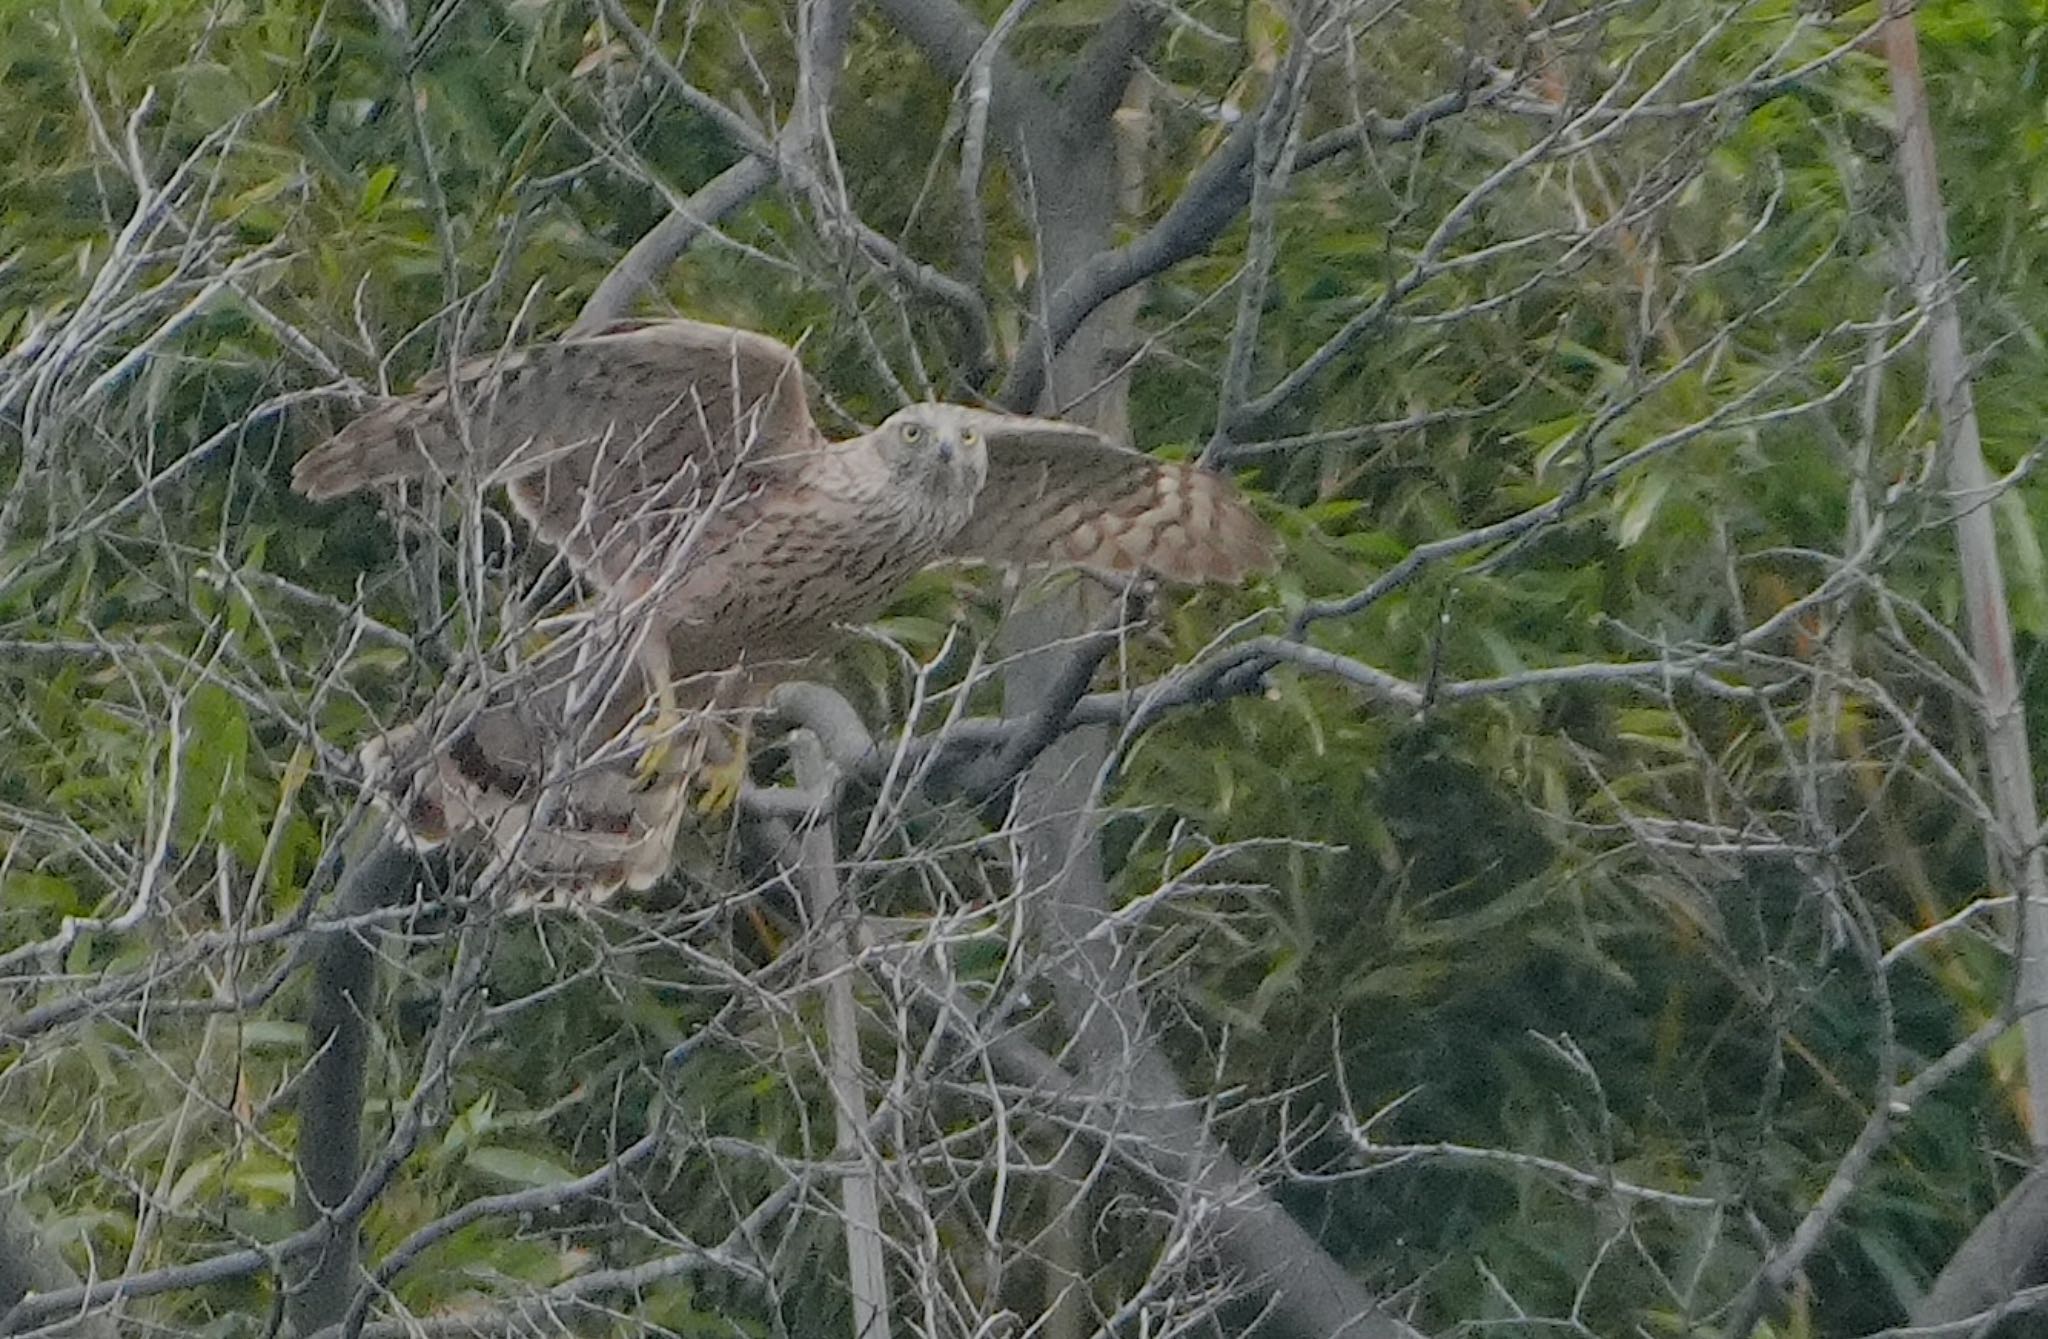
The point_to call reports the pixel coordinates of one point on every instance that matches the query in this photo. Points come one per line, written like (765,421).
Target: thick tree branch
(641,269)
(950,38)
(380,873)
(1157,1130)
(1215,195)
(1894,1107)
(1149,1121)
(963,753)
(2007,1251)
(1106,64)
(1032,734)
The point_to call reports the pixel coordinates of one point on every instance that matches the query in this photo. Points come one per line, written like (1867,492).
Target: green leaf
(374,190)
(1640,498)
(193,1177)
(517,1166)
(22,889)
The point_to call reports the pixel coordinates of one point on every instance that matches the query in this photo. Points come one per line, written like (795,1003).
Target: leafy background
(1448,917)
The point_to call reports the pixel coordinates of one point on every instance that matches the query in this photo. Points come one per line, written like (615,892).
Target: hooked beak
(948,448)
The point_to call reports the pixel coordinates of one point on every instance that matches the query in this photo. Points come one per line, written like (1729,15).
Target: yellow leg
(723,779)
(660,733)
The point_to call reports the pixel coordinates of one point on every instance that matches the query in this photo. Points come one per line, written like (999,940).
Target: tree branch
(2017,831)
(1156,1131)
(1892,1110)
(1215,195)
(2007,1251)
(641,269)
(736,127)
(1032,734)
(379,873)
(538,1200)
(827,911)
(785,159)
(29,1265)
(950,38)
(1106,64)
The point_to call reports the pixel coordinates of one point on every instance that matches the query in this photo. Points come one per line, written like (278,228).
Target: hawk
(674,464)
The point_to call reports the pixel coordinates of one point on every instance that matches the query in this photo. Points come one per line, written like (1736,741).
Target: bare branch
(951,38)
(2006,1254)
(868,1280)
(1988,614)
(1105,65)
(1894,1107)
(380,873)
(641,269)
(1215,195)
(29,1265)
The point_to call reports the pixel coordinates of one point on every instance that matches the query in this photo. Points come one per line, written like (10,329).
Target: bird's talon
(660,734)
(722,783)
(653,762)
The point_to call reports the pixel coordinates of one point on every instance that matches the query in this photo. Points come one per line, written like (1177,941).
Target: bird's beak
(948,448)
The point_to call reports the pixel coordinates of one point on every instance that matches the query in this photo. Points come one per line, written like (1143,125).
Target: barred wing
(1059,493)
(607,442)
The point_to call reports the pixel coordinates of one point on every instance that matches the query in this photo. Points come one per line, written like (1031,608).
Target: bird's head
(938,445)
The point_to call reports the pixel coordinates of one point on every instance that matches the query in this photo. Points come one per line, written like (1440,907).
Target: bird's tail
(583,836)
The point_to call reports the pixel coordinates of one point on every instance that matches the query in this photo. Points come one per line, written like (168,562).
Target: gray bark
(29,1264)
(329,1149)
(1988,616)
(1308,1292)
(2008,1251)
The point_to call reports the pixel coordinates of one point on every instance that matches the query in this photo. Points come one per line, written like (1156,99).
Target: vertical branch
(1058,860)
(867,1279)
(329,1150)
(1273,153)
(1970,488)
(1059,856)
(979,87)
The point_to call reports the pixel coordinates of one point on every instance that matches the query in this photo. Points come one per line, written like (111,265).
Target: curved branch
(1034,733)
(1105,65)
(2006,1253)
(1893,1109)
(641,268)
(785,159)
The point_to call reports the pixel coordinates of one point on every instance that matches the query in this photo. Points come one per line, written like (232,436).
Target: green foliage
(1453,926)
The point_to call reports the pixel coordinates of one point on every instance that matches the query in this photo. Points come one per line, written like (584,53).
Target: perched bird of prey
(676,467)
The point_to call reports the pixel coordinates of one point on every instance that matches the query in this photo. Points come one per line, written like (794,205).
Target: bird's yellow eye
(968,436)
(911,432)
